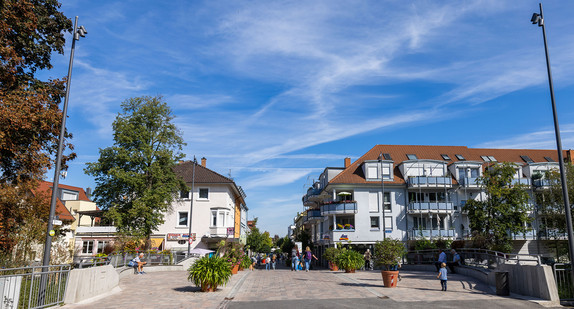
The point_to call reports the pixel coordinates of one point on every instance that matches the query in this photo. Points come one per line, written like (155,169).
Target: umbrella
(345,193)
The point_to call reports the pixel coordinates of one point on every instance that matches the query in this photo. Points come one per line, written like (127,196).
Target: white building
(217,211)
(422,191)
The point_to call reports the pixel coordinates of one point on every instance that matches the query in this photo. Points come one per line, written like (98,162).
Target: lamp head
(80,32)
(537,19)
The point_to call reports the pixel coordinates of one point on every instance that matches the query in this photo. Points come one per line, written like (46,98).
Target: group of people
(442,263)
(298,259)
(270,261)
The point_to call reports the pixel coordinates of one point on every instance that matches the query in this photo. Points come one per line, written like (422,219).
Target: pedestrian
(253,262)
(308,258)
(267,263)
(294,258)
(273,261)
(455,261)
(442,276)
(441,259)
(367,257)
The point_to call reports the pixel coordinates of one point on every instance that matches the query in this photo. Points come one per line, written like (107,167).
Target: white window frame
(378,227)
(88,247)
(220,214)
(179,213)
(389,203)
(199,194)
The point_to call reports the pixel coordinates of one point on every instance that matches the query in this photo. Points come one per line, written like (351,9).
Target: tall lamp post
(76,34)
(383,196)
(539,19)
(191,206)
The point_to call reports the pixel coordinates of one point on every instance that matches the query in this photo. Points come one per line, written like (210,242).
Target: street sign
(388,231)
(57,222)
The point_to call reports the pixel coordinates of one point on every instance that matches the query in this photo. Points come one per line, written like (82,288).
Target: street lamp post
(383,196)
(191,206)
(76,34)
(539,19)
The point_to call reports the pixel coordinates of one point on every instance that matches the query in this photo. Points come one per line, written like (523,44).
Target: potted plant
(209,272)
(387,255)
(233,252)
(331,254)
(245,262)
(350,260)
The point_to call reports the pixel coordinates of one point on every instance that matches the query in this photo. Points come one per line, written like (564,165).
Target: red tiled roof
(354,173)
(45,187)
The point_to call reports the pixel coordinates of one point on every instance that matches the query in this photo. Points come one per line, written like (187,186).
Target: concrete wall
(90,282)
(537,281)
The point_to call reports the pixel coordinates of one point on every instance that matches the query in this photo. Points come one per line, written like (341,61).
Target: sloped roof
(202,174)
(45,187)
(354,173)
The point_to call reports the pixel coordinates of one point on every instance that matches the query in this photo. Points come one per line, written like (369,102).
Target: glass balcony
(521,181)
(429,182)
(528,235)
(311,197)
(439,207)
(313,215)
(339,208)
(469,182)
(416,233)
(542,183)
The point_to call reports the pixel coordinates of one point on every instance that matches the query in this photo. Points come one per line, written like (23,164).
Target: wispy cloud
(542,139)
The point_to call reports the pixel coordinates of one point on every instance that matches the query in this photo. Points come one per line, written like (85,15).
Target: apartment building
(410,192)
(217,211)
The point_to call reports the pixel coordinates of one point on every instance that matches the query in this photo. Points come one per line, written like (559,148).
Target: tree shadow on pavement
(362,284)
(189,288)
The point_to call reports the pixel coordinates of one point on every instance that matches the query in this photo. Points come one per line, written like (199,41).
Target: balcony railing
(314,215)
(521,181)
(339,208)
(469,182)
(429,182)
(416,233)
(96,229)
(528,235)
(219,232)
(542,183)
(311,197)
(439,207)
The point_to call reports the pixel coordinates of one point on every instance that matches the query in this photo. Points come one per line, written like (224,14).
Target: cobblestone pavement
(263,288)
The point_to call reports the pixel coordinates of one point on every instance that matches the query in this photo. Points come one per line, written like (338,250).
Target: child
(442,276)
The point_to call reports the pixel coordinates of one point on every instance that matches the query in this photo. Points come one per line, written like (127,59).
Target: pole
(191,206)
(49,232)
(560,155)
(383,196)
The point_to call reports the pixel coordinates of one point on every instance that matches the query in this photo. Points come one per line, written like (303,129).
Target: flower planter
(390,278)
(234,269)
(349,270)
(333,267)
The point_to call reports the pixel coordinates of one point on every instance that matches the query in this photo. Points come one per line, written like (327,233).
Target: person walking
(253,262)
(442,276)
(308,258)
(273,261)
(367,256)
(267,263)
(294,258)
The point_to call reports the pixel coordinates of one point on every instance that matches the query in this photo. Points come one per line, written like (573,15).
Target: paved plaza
(283,288)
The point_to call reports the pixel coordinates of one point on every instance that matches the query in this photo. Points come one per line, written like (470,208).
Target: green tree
(550,209)
(287,245)
(135,181)
(504,211)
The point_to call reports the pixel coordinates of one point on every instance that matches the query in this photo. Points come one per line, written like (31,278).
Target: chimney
(347,162)
(203,161)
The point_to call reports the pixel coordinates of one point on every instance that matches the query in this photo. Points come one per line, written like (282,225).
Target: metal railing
(431,206)
(429,181)
(339,208)
(482,258)
(122,260)
(21,287)
(562,275)
(433,233)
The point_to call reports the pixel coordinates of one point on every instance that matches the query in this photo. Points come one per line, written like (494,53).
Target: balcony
(95,229)
(469,182)
(312,197)
(435,207)
(542,183)
(528,235)
(313,215)
(417,234)
(429,182)
(218,231)
(337,208)
(521,181)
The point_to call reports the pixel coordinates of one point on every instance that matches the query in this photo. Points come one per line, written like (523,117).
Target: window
(372,172)
(373,201)
(419,223)
(375,223)
(387,201)
(492,158)
(549,159)
(88,246)
(387,156)
(445,157)
(388,223)
(345,223)
(460,157)
(220,217)
(182,218)
(184,194)
(485,158)
(526,159)
(101,246)
(214,218)
(412,157)
(204,193)
(68,195)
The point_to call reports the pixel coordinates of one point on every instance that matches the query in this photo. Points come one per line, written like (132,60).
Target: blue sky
(274,91)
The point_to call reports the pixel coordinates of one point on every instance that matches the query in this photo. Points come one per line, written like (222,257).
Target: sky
(272,92)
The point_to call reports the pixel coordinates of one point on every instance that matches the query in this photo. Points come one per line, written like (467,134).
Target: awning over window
(156,243)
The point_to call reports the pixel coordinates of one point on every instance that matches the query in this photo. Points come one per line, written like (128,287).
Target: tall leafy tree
(30,118)
(135,181)
(503,211)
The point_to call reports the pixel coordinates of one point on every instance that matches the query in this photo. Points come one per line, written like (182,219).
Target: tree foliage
(135,181)
(30,118)
(503,211)
(259,242)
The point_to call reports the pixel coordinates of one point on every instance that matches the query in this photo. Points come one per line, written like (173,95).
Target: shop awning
(156,243)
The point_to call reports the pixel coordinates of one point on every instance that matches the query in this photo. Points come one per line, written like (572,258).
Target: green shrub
(424,244)
(331,254)
(208,273)
(388,252)
(245,262)
(442,243)
(349,259)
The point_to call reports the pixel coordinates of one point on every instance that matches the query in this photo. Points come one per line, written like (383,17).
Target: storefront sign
(230,231)
(179,236)
(344,237)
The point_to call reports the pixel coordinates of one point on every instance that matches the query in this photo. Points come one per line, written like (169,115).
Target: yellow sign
(52,233)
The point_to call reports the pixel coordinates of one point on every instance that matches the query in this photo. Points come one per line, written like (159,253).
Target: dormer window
(549,159)
(527,159)
(460,157)
(412,157)
(445,157)
(387,156)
